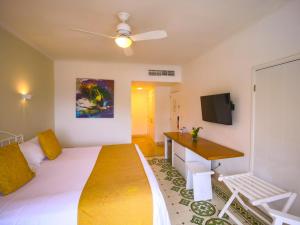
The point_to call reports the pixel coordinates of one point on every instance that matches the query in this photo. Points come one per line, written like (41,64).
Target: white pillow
(35,141)
(32,153)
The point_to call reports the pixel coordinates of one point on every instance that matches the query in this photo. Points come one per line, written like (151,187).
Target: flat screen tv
(217,108)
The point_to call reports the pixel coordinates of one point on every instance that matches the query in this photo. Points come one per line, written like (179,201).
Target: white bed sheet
(52,197)
(160,211)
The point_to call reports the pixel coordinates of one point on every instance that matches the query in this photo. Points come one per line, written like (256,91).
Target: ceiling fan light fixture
(123,41)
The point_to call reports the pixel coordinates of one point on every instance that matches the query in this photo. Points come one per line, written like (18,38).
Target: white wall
(162,112)
(79,132)
(25,70)
(227,68)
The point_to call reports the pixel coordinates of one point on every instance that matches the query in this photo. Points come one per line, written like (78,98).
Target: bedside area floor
(183,210)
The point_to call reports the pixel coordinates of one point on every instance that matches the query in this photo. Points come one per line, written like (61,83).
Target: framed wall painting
(94,98)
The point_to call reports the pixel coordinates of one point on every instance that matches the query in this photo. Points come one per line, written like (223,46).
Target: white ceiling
(193,26)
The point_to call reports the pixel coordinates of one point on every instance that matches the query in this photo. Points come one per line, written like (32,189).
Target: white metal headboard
(11,138)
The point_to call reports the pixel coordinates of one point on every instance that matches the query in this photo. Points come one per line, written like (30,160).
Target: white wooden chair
(257,191)
(280,218)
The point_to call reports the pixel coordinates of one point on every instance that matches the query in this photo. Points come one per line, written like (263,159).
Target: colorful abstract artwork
(94,98)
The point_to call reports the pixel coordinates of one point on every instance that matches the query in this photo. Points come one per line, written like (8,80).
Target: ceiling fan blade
(128,51)
(156,34)
(92,33)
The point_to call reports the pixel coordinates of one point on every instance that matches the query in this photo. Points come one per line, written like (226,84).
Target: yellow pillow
(14,169)
(49,144)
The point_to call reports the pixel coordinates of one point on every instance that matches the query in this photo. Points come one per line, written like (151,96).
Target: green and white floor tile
(183,210)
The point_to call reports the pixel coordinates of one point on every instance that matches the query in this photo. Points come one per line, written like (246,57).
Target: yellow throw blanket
(117,191)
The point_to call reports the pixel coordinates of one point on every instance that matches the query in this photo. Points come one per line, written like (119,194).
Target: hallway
(148,146)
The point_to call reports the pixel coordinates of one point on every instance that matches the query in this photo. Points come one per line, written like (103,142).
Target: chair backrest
(280,218)
(10,138)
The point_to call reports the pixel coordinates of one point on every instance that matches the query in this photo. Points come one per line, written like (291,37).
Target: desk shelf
(205,148)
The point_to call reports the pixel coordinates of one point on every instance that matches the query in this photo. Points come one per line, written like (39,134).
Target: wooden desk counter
(205,148)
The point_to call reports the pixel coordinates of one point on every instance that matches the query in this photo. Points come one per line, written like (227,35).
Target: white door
(175,111)
(276,127)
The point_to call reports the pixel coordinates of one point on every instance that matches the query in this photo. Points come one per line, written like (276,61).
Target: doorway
(142,111)
(150,115)
(142,114)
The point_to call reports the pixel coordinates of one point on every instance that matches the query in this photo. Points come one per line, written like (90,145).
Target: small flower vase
(194,137)
(195,133)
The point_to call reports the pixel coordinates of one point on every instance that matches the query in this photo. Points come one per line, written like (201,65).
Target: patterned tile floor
(183,210)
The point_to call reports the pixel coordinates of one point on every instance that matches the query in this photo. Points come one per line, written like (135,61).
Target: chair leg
(242,202)
(234,218)
(228,203)
(252,210)
(289,202)
(277,222)
(266,208)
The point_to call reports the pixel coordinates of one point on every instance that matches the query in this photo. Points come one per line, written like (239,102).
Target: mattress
(52,197)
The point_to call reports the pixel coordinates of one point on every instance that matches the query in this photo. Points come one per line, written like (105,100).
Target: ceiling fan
(124,38)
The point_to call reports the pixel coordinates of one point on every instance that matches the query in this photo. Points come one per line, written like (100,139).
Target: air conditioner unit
(159,73)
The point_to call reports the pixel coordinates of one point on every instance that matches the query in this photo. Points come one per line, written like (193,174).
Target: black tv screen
(217,108)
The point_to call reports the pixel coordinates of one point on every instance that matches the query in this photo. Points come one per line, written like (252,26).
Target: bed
(52,197)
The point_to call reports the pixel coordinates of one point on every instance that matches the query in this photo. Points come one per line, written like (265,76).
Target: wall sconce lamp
(26,97)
